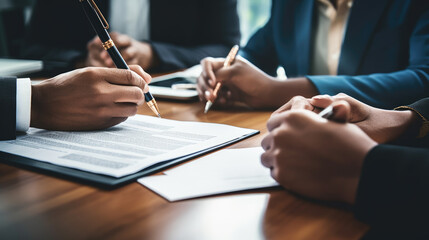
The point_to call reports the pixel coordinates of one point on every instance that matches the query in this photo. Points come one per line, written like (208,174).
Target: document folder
(99,180)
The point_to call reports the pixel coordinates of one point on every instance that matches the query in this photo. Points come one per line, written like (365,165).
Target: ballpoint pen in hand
(100,25)
(228,61)
(327,113)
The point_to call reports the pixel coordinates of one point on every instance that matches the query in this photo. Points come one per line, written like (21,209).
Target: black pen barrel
(117,58)
(93,18)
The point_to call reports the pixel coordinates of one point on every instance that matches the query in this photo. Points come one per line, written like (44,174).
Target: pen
(100,25)
(327,112)
(228,61)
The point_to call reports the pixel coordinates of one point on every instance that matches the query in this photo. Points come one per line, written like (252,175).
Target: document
(225,171)
(124,149)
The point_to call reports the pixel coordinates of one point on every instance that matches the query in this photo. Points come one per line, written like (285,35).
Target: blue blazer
(385,54)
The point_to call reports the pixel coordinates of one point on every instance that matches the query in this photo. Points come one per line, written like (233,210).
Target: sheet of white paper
(139,142)
(226,163)
(221,172)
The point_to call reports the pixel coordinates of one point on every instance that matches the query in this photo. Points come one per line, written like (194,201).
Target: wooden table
(35,206)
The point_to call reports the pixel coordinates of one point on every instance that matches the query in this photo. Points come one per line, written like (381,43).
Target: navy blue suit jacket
(385,54)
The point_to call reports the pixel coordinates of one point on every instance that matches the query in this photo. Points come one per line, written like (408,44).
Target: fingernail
(207,94)
(317,97)
(146,88)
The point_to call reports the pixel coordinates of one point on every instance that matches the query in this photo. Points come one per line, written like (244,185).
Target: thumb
(341,111)
(321,101)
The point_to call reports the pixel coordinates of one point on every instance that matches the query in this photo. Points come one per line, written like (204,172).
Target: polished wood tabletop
(36,206)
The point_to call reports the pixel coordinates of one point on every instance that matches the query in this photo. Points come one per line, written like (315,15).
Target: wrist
(284,90)
(399,124)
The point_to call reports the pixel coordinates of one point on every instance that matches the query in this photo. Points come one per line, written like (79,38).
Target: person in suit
(158,35)
(84,99)
(375,51)
(363,163)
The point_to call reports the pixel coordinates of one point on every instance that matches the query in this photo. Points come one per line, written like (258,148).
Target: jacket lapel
(362,23)
(303,35)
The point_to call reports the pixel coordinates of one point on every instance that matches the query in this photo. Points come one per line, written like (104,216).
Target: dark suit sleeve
(261,45)
(7,108)
(393,189)
(221,31)
(381,90)
(421,108)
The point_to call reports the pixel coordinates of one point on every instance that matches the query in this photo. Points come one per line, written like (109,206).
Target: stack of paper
(129,147)
(229,170)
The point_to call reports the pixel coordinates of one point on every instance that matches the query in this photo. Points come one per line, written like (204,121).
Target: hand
(315,157)
(381,125)
(88,99)
(133,52)
(242,83)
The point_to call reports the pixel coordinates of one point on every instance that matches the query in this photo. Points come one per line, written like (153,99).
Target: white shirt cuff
(23,104)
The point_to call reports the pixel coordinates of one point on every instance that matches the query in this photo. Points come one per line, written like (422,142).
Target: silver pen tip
(208,106)
(159,115)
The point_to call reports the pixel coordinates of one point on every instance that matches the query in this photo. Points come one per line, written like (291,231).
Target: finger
(266,143)
(109,63)
(202,88)
(210,66)
(127,94)
(121,40)
(128,53)
(283,108)
(95,43)
(139,70)
(267,160)
(341,111)
(275,121)
(104,55)
(121,77)
(321,101)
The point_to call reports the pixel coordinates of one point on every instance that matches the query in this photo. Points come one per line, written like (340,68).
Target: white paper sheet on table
(127,148)
(225,171)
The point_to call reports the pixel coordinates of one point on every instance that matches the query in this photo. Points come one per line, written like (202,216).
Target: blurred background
(15,14)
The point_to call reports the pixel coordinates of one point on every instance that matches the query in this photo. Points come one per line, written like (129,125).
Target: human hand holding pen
(228,61)
(315,157)
(373,121)
(88,98)
(242,83)
(100,26)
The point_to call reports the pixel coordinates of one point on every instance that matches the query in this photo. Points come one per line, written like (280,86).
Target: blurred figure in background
(375,51)
(158,35)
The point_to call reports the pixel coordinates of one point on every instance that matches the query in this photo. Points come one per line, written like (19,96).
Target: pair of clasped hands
(306,153)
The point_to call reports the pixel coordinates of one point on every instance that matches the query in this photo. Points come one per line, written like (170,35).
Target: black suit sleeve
(394,187)
(394,184)
(215,34)
(7,108)
(421,108)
